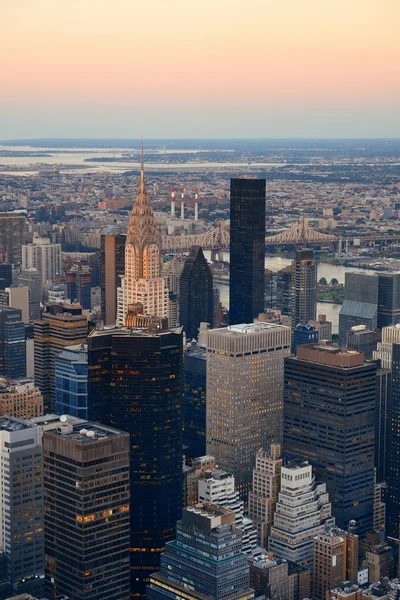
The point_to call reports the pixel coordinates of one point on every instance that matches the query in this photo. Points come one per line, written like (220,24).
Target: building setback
(135,384)
(329,420)
(247,250)
(244,395)
(86,500)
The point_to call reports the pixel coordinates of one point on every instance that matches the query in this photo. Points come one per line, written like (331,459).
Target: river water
(276,263)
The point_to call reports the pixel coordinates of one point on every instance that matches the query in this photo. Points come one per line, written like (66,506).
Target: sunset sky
(199,68)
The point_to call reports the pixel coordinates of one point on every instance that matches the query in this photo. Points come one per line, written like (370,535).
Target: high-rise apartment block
(269,576)
(207,553)
(390,336)
(71,381)
(86,503)
(16,297)
(304,288)
(264,493)
(12,343)
(323,327)
(135,384)
(284,290)
(247,250)
(21,512)
(20,398)
(195,293)
(194,400)
(329,420)
(79,285)
(60,326)
(191,476)
(31,279)
(244,394)
(218,487)
(303,510)
(13,235)
(43,256)
(112,267)
(360,306)
(362,339)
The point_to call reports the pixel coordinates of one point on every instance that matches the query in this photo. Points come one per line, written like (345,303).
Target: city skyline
(208,70)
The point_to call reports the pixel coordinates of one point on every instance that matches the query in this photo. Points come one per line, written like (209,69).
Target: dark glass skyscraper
(388,299)
(135,384)
(247,250)
(304,288)
(194,401)
(112,266)
(12,343)
(393,478)
(196,293)
(329,420)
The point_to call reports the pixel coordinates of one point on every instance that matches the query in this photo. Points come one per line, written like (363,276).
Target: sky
(199,68)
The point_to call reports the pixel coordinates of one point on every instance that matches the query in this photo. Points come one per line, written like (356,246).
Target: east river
(276,263)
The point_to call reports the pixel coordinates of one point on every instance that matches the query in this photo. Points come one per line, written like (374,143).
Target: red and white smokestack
(196,205)
(172,202)
(183,204)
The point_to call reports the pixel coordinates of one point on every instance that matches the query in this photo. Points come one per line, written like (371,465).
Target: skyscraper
(12,343)
(71,381)
(360,306)
(388,299)
(43,256)
(284,290)
(390,335)
(329,420)
(31,279)
(13,234)
(393,476)
(143,286)
(112,267)
(194,401)
(264,493)
(382,423)
(207,553)
(135,384)
(303,510)
(86,502)
(244,394)
(247,250)
(363,339)
(21,514)
(304,288)
(196,293)
(60,326)
(79,283)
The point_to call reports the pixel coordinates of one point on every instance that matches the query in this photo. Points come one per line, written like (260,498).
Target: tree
(334,281)
(323,281)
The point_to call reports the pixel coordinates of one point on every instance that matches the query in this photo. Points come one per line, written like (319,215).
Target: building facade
(112,267)
(393,475)
(360,306)
(362,339)
(244,394)
(32,280)
(247,250)
(71,381)
(194,400)
(12,343)
(20,398)
(86,503)
(43,256)
(264,494)
(329,420)
(205,560)
(13,235)
(304,288)
(135,384)
(388,299)
(195,293)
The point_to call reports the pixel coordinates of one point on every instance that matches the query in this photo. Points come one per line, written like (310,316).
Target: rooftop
(84,432)
(14,424)
(250,328)
(330,355)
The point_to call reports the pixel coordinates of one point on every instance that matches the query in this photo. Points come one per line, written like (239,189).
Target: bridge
(301,233)
(215,238)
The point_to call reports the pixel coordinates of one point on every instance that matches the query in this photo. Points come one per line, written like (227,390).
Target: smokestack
(172,202)
(196,205)
(183,204)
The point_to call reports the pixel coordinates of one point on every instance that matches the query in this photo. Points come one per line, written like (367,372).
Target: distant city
(200,369)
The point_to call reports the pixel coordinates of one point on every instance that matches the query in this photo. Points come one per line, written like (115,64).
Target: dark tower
(112,266)
(135,384)
(304,288)
(247,250)
(196,293)
(329,420)
(12,343)
(393,500)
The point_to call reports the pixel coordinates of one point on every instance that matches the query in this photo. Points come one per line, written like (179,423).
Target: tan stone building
(20,398)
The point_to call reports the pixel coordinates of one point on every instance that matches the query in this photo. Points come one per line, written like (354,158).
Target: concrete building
(363,339)
(218,487)
(71,381)
(13,235)
(20,398)
(390,336)
(207,554)
(16,297)
(304,288)
(191,476)
(360,306)
(323,327)
(59,327)
(269,576)
(303,510)
(31,279)
(21,509)
(284,290)
(330,407)
(43,256)
(86,534)
(244,395)
(265,489)
(112,267)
